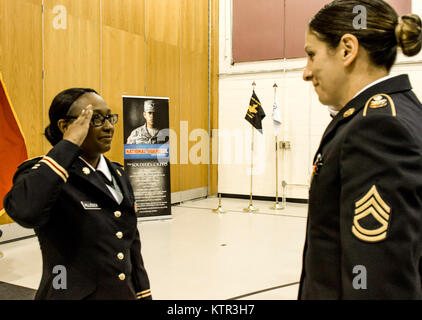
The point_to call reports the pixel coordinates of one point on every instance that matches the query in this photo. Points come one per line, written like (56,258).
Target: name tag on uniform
(88,205)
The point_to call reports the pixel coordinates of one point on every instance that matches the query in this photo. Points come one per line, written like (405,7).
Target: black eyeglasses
(98,119)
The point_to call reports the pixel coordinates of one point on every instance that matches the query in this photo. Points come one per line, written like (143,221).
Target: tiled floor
(198,254)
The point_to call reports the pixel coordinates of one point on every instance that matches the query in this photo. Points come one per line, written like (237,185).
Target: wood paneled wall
(71,55)
(194,90)
(163,25)
(21,66)
(123,59)
(117,47)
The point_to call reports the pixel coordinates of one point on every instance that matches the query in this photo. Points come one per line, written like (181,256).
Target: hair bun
(47,132)
(409,34)
(52,136)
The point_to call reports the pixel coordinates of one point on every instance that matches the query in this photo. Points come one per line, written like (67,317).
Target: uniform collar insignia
(81,169)
(379,101)
(349,112)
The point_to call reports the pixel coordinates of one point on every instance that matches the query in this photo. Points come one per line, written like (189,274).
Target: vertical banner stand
(277,205)
(251,208)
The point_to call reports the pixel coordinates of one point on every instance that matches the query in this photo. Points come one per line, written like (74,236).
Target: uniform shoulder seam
(117,164)
(30,161)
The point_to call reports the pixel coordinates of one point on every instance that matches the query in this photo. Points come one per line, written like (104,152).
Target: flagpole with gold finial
(277,205)
(1,233)
(251,207)
(219,208)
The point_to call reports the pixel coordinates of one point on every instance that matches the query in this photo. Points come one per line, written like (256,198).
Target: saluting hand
(77,131)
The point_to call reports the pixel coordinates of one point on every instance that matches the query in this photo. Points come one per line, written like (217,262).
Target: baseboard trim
(186,195)
(263,198)
(17,239)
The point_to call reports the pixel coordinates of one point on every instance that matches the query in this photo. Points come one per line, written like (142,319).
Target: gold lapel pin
(86,170)
(118,172)
(349,112)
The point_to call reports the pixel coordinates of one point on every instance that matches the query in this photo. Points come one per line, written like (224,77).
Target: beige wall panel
(123,54)
(21,66)
(125,15)
(194,82)
(72,55)
(163,21)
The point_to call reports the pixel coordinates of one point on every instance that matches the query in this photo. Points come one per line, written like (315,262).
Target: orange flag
(12,148)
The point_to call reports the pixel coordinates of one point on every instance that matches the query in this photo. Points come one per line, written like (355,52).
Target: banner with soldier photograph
(147,154)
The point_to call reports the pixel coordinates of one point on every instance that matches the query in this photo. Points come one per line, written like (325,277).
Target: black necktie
(105,179)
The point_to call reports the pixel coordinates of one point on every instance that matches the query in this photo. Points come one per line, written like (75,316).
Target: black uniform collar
(82,171)
(117,172)
(389,86)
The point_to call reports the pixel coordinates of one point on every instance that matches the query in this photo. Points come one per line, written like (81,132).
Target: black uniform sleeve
(36,186)
(139,274)
(381,217)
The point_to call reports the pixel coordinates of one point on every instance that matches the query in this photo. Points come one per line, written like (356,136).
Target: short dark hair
(384,32)
(59,109)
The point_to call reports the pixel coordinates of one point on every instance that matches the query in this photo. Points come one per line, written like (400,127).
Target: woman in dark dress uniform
(364,229)
(81,206)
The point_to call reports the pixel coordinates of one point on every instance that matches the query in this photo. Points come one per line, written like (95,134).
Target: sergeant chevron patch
(372,216)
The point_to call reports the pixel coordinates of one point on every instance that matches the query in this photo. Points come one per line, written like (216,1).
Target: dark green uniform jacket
(89,243)
(364,229)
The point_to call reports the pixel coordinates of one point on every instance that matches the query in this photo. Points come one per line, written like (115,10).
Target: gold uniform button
(120,256)
(119,235)
(122,276)
(117,214)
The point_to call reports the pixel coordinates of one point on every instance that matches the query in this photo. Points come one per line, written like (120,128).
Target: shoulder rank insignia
(380,101)
(372,216)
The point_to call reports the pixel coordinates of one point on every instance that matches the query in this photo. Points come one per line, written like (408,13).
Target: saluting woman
(81,206)
(364,230)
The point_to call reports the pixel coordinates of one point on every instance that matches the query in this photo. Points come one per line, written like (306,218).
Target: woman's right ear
(62,125)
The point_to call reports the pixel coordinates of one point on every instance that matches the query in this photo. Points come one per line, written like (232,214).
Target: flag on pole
(276,116)
(255,113)
(12,148)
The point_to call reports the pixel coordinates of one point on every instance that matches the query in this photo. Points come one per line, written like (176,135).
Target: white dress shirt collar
(101,166)
(373,84)
(334,112)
